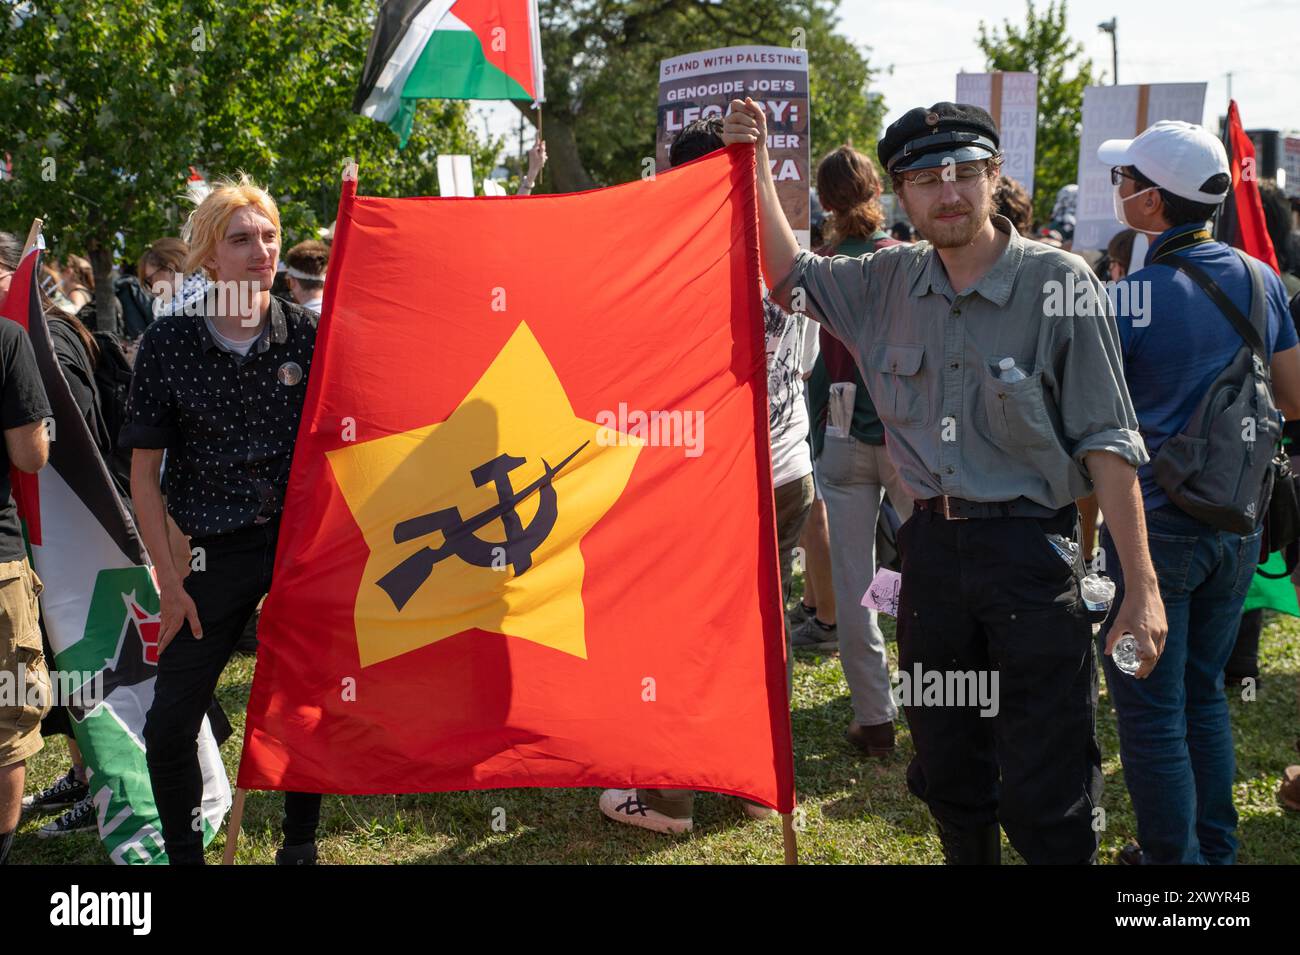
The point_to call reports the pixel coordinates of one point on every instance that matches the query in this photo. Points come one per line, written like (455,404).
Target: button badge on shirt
(289,374)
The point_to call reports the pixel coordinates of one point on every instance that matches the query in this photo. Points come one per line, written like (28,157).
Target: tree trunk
(563,161)
(101,261)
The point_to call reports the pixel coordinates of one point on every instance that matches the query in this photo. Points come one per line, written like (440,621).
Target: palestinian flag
(100,608)
(529,537)
(1241,219)
(449,49)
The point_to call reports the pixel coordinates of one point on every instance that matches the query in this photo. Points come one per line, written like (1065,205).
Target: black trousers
(992,595)
(236,574)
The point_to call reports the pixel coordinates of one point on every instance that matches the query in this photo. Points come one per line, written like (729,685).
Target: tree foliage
(602,75)
(1042,45)
(104,106)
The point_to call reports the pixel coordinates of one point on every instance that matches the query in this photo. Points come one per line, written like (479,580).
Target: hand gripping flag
(449,49)
(529,537)
(100,608)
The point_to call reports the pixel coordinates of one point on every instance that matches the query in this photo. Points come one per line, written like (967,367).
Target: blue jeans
(1175,738)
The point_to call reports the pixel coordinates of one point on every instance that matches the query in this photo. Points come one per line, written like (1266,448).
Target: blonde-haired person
(199,382)
(855,472)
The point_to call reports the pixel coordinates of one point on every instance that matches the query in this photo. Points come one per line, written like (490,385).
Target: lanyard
(1178,243)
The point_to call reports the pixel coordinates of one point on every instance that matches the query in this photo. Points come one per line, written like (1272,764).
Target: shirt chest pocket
(198,402)
(899,391)
(1016,413)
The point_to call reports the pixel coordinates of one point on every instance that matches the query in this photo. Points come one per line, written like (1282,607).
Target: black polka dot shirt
(228,422)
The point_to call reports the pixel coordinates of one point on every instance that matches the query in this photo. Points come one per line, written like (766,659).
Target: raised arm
(746,123)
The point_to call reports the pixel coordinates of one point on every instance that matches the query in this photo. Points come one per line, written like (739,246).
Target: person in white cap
(1175,737)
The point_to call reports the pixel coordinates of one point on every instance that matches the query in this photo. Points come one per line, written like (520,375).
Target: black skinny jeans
(236,575)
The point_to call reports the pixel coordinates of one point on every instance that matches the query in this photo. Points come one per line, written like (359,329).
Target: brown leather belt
(959,509)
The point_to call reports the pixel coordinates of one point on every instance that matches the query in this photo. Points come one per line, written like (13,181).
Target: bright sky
(1160,41)
(1166,41)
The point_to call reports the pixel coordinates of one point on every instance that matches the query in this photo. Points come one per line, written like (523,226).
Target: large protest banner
(1121,112)
(700,85)
(1012,100)
(498,490)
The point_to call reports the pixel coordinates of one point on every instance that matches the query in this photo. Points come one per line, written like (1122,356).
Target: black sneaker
(1131,854)
(67,791)
(80,818)
(812,634)
(296,855)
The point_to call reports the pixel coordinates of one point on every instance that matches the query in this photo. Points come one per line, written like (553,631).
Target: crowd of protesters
(885,451)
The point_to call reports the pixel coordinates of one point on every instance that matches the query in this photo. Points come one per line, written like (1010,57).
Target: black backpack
(137,306)
(112,386)
(1219,468)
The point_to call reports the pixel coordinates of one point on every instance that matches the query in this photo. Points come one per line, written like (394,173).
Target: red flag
(1241,224)
(529,537)
(19,305)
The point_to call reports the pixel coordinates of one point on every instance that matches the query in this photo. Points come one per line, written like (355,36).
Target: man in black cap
(1000,409)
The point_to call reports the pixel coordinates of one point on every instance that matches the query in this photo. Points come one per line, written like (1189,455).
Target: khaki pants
(793,502)
(25,691)
(853,476)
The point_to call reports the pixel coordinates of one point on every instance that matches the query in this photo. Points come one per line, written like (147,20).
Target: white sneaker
(755,811)
(621,805)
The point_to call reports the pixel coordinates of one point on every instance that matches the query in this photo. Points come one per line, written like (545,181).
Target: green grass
(852,809)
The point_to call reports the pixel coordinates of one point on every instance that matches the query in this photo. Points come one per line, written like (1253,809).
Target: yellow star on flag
(477,521)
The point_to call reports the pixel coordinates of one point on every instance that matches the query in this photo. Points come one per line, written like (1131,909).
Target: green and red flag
(100,609)
(529,537)
(449,49)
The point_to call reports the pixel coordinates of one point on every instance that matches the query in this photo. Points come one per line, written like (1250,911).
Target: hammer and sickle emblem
(405,579)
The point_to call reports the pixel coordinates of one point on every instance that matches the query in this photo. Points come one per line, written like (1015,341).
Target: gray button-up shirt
(929,357)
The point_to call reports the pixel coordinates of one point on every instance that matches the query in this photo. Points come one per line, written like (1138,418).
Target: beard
(953,233)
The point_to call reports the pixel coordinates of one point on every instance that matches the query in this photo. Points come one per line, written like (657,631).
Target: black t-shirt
(22,401)
(77,365)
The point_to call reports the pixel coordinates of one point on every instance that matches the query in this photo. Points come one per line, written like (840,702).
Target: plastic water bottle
(1067,548)
(1007,370)
(1097,591)
(1125,654)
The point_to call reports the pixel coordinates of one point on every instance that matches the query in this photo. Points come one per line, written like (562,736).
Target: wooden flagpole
(788,837)
(232,831)
(32,236)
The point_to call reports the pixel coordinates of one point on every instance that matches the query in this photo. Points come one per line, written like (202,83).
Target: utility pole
(1109,26)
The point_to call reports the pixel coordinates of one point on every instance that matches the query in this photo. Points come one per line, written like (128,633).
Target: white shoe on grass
(621,805)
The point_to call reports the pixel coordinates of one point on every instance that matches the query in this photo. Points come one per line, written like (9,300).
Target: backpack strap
(1248,329)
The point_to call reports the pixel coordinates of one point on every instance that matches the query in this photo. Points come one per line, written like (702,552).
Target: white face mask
(1119,209)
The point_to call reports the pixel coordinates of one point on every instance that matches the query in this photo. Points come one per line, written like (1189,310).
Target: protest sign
(699,85)
(1121,112)
(1012,100)
(1290,162)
